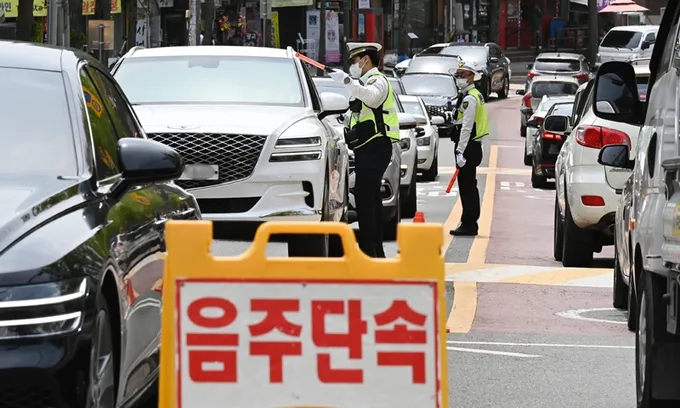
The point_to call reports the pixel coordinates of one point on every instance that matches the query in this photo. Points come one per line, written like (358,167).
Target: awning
(623,6)
(581,2)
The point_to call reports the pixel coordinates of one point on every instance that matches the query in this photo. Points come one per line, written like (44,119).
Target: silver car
(539,87)
(427,136)
(559,63)
(391,177)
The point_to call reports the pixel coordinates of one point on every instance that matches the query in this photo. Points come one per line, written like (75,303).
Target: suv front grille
(236,155)
(433,110)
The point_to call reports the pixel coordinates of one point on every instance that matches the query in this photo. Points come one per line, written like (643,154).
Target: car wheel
(431,173)
(527,159)
(632,302)
(620,289)
(101,391)
(523,131)
(502,94)
(390,227)
(537,181)
(557,233)
(313,245)
(577,244)
(335,249)
(487,90)
(411,203)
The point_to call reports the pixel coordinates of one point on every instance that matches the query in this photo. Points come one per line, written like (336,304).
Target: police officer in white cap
(373,127)
(471,124)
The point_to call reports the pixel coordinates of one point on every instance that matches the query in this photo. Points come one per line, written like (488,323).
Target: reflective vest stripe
(390,118)
(481,115)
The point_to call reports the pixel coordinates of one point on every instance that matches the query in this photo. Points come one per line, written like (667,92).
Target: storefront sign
(276,40)
(364,4)
(291,3)
(89,6)
(10,8)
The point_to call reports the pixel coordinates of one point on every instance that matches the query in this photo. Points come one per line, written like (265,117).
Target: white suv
(248,123)
(586,191)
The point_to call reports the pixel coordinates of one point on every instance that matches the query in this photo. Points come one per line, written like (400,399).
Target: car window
(330,87)
(123,119)
(642,83)
(562,109)
(431,50)
(650,38)
(613,94)
(396,85)
(104,136)
(621,39)
(669,48)
(580,102)
(494,52)
(467,53)
(557,65)
(400,107)
(433,65)
(429,85)
(539,89)
(211,79)
(37,137)
(413,107)
(316,103)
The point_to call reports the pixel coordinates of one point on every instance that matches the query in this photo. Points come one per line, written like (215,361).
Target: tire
(632,303)
(102,391)
(390,227)
(523,131)
(432,173)
(506,89)
(620,289)
(557,233)
(335,249)
(528,160)
(487,90)
(411,204)
(577,244)
(312,245)
(538,181)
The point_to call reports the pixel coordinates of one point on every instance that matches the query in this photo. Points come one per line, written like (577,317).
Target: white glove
(460,160)
(338,76)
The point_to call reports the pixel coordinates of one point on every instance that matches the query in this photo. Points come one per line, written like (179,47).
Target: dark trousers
(370,163)
(467,185)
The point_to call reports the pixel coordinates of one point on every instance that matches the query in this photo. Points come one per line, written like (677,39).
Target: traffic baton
(312,62)
(453,180)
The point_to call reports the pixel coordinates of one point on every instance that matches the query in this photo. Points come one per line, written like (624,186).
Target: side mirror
(616,156)
(556,124)
(146,161)
(420,132)
(493,60)
(527,111)
(332,104)
(406,121)
(437,120)
(616,95)
(530,66)
(532,124)
(645,45)
(593,69)
(520,92)
(420,120)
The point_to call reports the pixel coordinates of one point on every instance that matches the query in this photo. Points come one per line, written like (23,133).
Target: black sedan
(495,77)
(84,201)
(549,140)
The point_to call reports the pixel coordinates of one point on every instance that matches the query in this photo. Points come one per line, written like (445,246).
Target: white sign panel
(364,4)
(313,344)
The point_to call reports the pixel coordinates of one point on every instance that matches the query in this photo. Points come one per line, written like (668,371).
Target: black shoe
(463,231)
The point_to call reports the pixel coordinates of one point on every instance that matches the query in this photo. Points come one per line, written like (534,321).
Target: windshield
(563,109)
(622,39)
(39,147)
(413,108)
(557,65)
(642,82)
(396,86)
(210,79)
(539,89)
(438,85)
(432,65)
(466,53)
(432,50)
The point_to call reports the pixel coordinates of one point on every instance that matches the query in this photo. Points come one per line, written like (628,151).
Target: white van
(625,43)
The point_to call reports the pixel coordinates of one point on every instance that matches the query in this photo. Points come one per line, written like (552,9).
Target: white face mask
(355,70)
(461,82)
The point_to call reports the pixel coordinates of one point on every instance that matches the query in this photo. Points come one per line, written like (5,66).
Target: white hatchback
(427,137)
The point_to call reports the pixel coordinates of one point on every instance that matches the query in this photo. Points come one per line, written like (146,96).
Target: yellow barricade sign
(251,331)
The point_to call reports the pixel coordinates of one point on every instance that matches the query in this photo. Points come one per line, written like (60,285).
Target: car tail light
(596,137)
(532,74)
(551,136)
(592,201)
(582,76)
(526,100)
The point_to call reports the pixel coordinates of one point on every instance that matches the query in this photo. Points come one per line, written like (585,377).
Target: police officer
(373,127)
(470,126)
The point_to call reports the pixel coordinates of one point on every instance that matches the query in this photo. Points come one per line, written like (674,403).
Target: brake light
(551,136)
(596,137)
(592,201)
(581,77)
(527,100)
(532,74)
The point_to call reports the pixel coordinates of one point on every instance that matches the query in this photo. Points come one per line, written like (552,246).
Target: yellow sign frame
(189,257)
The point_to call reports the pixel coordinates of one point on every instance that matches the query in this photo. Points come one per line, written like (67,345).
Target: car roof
(560,55)
(553,78)
(216,50)
(635,28)
(641,70)
(17,54)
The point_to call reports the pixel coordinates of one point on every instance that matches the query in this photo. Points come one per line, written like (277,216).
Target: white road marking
(493,352)
(590,346)
(600,281)
(541,197)
(576,315)
(497,273)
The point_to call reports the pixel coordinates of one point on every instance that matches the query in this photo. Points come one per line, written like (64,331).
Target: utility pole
(193,16)
(208,22)
(266,14)
(347,32)
(52,22)
(322,35)
(593,31)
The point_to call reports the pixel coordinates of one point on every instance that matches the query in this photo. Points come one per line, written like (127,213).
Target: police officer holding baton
(471,124)
(373,127)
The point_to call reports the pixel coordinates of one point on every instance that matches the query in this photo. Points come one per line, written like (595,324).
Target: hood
(27,202)
(246,119)
(617,54)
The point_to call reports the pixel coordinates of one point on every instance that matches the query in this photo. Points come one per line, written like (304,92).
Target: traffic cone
(419,217)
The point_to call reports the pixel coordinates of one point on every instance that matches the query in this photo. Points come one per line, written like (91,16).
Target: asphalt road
(525,332)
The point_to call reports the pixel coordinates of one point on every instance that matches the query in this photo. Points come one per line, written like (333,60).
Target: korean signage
(602,4)
(10,8)
(309,332)
(89,6)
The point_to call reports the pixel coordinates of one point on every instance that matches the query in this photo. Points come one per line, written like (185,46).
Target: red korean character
(351,340)
(402,335)
(274,319)
(224,362)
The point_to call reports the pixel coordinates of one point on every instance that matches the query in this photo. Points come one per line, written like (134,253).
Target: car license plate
(200,172)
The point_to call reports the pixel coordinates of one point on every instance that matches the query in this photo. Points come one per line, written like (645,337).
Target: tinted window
(413,108)
(115,103)
(103,133)
(467,53)
(557,65)
(613,96)
(642,82)
(218,79)
(432,65)
(396,85)
(36,136)
(539,89)
(651,37)
(429,85)
(621,39)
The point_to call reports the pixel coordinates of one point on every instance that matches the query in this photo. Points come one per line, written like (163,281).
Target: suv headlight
(302,141)
(423,141)
(405,144)
(298,142)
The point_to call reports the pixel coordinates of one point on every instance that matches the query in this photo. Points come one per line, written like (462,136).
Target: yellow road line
(557,276)
(464,307)
(480,245)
